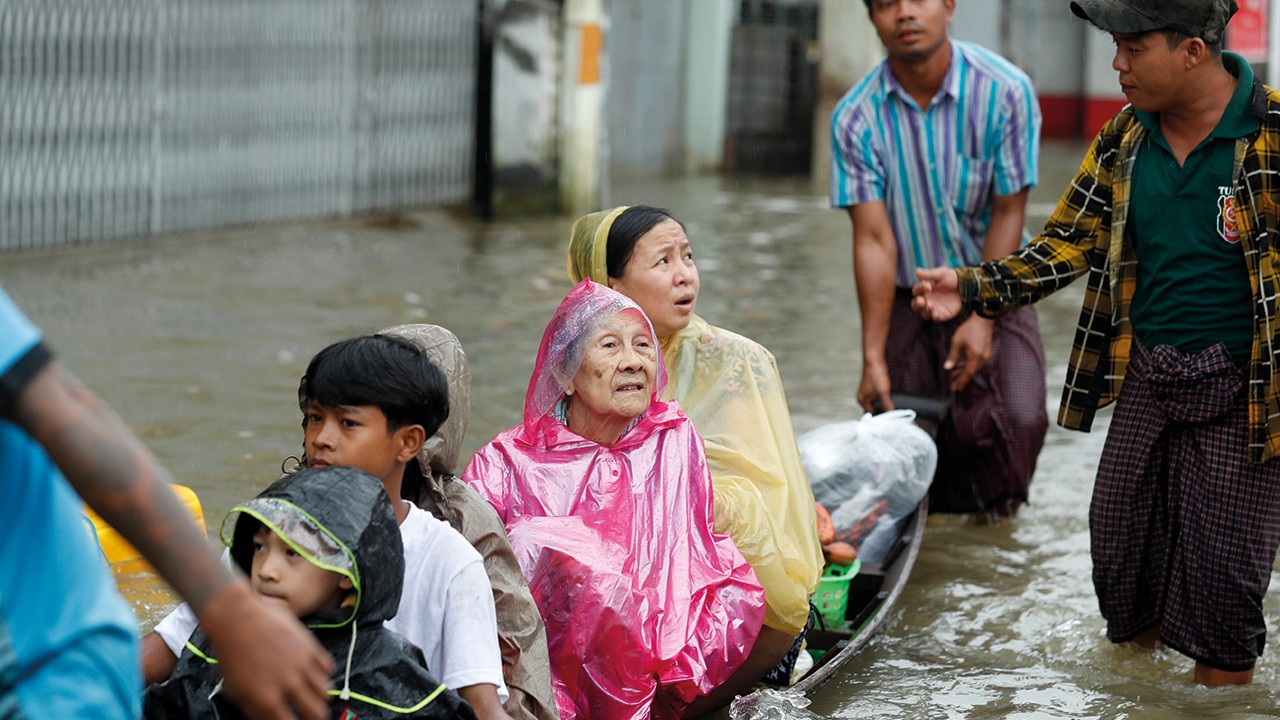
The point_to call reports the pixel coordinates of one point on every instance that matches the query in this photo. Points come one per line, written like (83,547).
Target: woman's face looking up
(661,277)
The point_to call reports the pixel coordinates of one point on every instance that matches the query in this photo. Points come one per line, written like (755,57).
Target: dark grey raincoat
(340,519)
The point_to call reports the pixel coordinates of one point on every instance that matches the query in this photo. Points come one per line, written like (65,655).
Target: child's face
(280,575)
(356,436)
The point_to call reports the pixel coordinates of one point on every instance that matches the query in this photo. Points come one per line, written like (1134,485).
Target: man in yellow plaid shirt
(1172,215)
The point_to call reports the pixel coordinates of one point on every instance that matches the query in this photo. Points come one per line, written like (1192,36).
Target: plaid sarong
(989,441)
(1184,529)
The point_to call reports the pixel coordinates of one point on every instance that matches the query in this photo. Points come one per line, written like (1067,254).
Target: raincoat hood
(440,453)
(582,313)
(589,245)
(339,519)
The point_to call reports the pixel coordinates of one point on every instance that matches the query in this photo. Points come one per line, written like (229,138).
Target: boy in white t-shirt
(370,402)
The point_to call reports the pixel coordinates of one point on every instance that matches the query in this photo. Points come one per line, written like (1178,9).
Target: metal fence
(122,118)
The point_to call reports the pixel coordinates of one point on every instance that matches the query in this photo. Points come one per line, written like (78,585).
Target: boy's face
(280,575)
(356,436)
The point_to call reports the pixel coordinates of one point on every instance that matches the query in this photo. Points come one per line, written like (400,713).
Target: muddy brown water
(198,342)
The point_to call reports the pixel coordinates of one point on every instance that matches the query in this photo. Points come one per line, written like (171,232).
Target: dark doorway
(772,87)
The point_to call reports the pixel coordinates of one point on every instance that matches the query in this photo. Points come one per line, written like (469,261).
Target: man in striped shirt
(933,153)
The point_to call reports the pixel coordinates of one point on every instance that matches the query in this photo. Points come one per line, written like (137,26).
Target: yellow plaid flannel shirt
(1078,239)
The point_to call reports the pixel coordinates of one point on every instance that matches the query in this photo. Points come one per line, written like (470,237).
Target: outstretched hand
(937,296)
(271,666)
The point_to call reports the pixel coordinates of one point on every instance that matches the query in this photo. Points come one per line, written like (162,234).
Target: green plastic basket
(832,596)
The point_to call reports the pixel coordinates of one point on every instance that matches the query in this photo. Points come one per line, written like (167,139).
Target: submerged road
(198,341)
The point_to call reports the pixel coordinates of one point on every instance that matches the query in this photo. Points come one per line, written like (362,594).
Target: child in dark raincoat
(324,543)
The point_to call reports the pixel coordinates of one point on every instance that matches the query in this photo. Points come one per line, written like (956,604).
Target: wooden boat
(873,592)
(874,589)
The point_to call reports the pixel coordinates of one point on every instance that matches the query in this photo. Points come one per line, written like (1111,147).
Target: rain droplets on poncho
(730,388)
(646,607)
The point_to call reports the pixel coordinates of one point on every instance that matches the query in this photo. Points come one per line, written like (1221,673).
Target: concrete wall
(849,48)
(1100,97)
(979,21)
(526,75)
(1051,51)
(644,119)
(706,85)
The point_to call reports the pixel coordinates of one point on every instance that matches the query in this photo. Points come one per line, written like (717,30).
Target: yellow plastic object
(118,551)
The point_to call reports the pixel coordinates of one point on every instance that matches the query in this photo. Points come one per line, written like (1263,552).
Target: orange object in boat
(826,528)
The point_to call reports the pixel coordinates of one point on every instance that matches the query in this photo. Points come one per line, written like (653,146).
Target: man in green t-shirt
(1171,217)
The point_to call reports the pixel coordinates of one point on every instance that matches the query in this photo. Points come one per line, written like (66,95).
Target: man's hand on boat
(873,389)
(937,296)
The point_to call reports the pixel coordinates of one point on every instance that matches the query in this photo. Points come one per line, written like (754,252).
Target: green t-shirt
(1193,288)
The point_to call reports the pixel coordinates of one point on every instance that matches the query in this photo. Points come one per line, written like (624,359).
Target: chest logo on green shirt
(1228,228)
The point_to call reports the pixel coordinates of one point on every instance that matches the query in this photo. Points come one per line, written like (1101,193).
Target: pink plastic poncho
(646,607)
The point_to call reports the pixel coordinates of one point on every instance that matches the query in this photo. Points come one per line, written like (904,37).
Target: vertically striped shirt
(937,169)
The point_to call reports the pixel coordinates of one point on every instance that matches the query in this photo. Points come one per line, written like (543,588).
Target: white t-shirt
(446,608)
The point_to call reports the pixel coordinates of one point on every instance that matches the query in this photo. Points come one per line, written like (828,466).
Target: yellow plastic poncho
(730,388)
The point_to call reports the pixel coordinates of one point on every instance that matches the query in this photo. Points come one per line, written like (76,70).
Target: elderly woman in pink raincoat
(606,497)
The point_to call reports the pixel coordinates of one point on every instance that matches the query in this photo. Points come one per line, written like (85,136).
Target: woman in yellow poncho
(729,387)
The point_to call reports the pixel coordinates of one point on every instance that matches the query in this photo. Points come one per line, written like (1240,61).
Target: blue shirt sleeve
(64,631)
(17,334)
(1017,160)
(857,175)
(21,351)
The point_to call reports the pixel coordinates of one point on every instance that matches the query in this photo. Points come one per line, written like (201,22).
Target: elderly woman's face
(616,377)
(661,278)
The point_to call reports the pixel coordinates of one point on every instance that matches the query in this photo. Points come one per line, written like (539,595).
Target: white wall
(977,21)
(706,87)
(849,49)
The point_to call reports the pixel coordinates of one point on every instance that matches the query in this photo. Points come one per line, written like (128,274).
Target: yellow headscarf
(729,387)
(589,245)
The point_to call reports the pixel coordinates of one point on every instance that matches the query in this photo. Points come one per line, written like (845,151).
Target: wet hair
(241,541)
(380,370)
(627,229)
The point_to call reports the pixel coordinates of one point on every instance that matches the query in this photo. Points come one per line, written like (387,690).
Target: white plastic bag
(855,465)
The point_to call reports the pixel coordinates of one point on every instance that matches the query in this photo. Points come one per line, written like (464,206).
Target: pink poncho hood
(646,607)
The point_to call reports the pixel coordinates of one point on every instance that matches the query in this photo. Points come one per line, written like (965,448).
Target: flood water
(198,343)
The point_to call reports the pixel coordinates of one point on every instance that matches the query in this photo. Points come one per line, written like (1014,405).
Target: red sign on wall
(1247,31)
